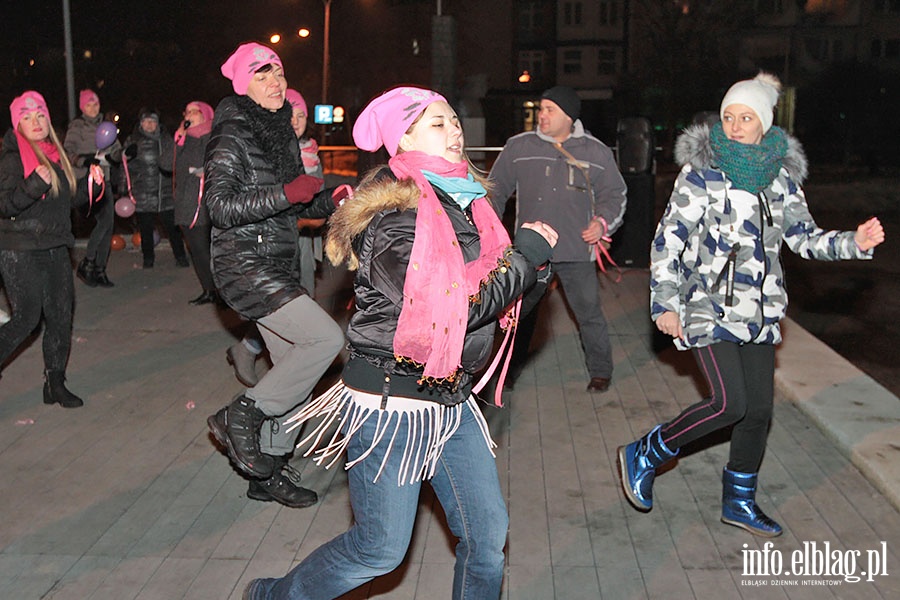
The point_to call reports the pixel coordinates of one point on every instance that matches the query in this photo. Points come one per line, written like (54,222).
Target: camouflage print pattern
(715,255)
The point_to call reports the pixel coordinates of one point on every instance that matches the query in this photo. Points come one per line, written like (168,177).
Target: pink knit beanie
(205,109)
(245,61)
(386,118)
(86,96)
(296,100)
(28,102)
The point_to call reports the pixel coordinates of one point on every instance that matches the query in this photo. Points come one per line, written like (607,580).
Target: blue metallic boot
(739,506)
(638,462)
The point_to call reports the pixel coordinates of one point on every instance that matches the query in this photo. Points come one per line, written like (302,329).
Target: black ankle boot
(237,428)
(87,272)
(102,279)
(282,487)
(55,391)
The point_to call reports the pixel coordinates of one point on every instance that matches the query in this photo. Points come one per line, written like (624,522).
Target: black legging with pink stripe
(741,383)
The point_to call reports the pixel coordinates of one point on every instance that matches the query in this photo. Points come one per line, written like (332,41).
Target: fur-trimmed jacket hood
(377,193)
(693,147)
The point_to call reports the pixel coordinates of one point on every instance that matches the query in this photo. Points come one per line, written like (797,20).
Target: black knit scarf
(274,136)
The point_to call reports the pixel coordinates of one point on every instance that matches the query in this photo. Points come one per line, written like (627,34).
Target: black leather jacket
(383,251)
(254,239)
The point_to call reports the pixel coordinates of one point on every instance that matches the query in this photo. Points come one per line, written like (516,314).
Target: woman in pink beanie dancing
(434,269)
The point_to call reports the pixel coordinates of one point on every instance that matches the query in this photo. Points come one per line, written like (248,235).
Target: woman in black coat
(149,158)
(255,191)
(37,191)
(191,215)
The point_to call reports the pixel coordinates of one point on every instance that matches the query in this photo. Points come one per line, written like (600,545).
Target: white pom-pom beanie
(760,94)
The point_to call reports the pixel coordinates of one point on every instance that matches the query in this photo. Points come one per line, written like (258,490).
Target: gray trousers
(303,340)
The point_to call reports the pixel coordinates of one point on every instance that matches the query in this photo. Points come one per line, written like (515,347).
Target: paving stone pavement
(129,498)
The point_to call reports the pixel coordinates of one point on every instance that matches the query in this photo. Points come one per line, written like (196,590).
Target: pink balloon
(124,207)
(106,135)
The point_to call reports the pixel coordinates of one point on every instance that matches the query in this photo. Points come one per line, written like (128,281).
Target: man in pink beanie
(81,147)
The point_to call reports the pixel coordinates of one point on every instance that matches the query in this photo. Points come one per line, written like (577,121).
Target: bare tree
(684,53)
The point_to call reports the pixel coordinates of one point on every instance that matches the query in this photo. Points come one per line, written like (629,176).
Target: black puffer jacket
(374,232)
(151,170)
(28,221)
(254,239)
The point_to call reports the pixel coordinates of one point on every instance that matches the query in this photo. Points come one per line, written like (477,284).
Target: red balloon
(117,242)
(105,135)
(136,239)
(124,207)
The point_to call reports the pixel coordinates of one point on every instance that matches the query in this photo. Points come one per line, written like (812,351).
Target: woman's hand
(43,172)
(869,234)
(546,232)
(670,324)
(97,174)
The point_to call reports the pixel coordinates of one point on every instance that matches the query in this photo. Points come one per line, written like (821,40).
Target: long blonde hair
(63,162)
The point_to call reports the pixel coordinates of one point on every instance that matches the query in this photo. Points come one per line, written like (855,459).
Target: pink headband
(296,100)
(245,61)
(205,109)
(87,96)
(386,118)
(28,102)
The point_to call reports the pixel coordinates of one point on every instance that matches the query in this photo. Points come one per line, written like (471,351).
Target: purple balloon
(106,135)
(124,207)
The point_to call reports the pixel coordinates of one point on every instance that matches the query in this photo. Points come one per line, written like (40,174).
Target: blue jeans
(467,486)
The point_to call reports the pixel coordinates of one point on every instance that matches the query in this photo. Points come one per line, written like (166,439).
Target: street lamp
(326,57)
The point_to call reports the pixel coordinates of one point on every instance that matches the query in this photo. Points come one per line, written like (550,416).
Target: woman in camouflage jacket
(717,287)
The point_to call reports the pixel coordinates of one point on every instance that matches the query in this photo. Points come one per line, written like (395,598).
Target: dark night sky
(161,53)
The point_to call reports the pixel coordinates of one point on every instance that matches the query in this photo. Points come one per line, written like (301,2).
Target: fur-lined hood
(376,194)
(693,147)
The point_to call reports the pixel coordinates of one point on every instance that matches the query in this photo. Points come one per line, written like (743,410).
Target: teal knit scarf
(750,167)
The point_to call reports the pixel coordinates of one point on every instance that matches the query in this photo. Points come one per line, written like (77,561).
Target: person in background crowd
(191,214)
(310,229)
(38,189)
(81,147)
(717,287)
(255,191)
(149,160)
(564,176)
(435,268)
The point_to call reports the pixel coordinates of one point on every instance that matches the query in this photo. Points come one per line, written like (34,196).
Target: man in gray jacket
(567,178)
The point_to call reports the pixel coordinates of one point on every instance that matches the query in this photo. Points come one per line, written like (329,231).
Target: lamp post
(325,52)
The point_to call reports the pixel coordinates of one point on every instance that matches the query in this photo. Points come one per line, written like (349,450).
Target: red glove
(302,189)
(341,193)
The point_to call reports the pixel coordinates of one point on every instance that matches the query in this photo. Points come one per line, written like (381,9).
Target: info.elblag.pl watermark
(815,564)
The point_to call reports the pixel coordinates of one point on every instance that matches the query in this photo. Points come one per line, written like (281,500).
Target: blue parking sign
(324,114)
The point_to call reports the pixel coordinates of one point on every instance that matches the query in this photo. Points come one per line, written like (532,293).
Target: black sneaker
(282,487)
